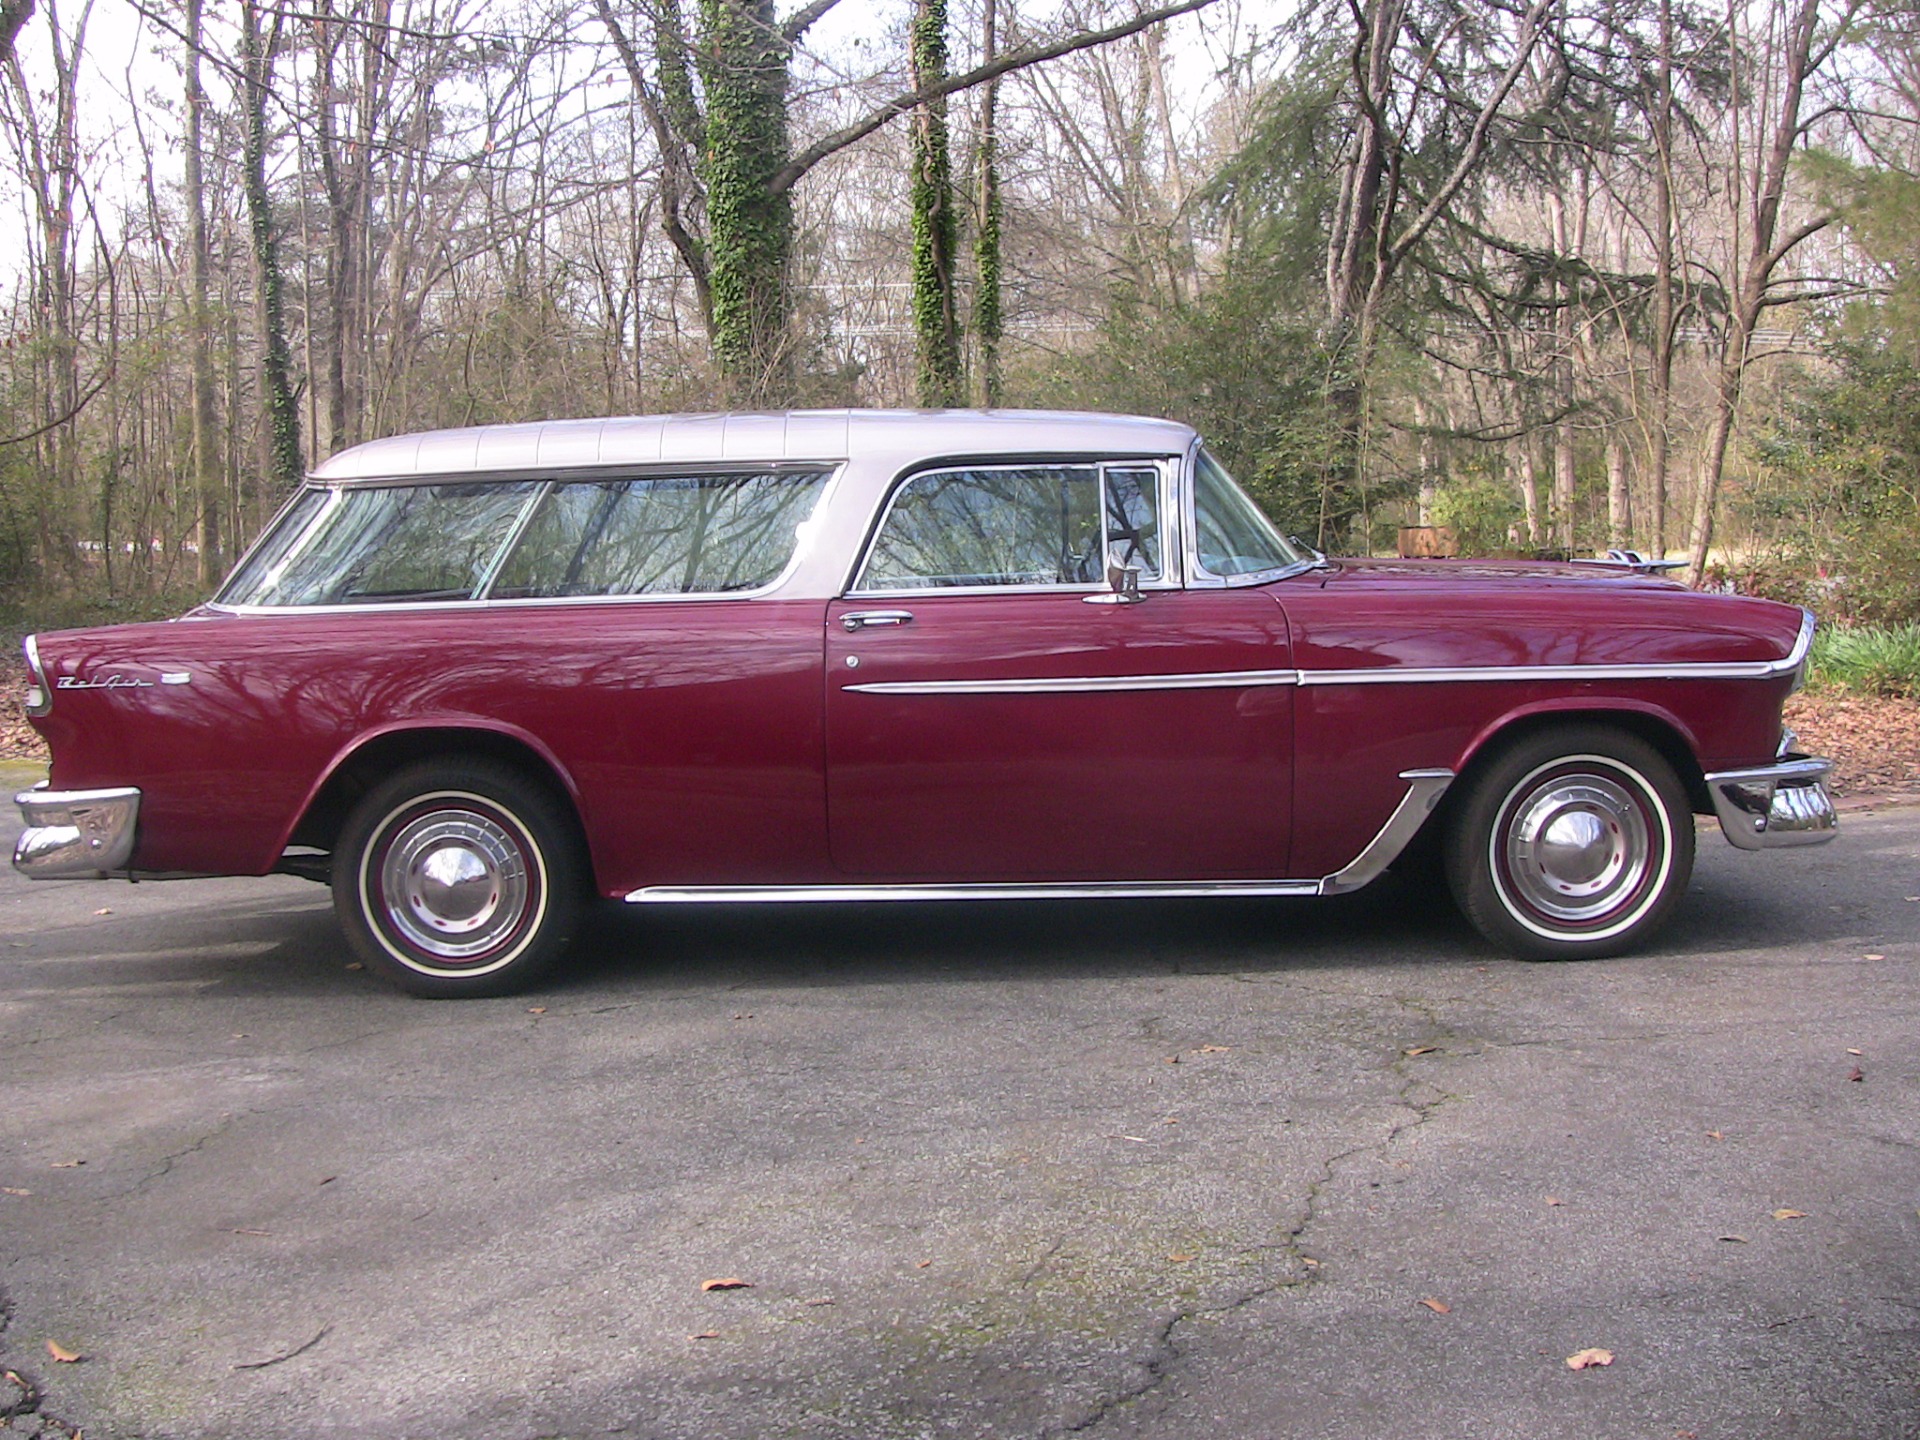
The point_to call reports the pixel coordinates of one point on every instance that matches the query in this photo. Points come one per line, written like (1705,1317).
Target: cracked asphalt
(1119,1170)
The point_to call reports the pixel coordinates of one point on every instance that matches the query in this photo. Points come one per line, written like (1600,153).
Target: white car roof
(894,437)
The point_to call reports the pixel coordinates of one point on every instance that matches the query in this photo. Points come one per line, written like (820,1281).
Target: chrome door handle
(866,619)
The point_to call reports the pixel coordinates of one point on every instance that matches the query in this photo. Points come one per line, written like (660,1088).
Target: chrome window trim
(1197,576)
(1082,684)
(479,600)
(294,551)
(541,491)
(1169,578)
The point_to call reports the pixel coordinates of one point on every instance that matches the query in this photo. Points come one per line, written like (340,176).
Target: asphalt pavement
(1218,1169)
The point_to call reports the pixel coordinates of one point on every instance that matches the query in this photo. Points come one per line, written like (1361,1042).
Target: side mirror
(1124,586)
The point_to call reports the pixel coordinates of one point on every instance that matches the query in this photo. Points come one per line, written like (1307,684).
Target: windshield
(1233,537)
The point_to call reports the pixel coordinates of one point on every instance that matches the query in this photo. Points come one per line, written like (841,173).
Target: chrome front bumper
(75,832)
(1785,803)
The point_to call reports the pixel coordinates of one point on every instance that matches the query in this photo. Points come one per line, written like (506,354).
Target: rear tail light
(39,693)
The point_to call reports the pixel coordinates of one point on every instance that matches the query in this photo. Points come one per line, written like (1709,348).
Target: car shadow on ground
(287,943)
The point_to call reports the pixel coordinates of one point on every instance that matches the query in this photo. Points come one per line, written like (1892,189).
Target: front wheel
(1577,842)
(458,878)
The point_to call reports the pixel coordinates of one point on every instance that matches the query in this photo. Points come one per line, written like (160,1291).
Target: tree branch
(801,21)
(1017,58)
(14,15)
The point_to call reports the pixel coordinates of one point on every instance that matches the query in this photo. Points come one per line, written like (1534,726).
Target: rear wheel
(459,878)
(1576,842)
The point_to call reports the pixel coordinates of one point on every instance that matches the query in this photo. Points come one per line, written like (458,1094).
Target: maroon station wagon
(475,677)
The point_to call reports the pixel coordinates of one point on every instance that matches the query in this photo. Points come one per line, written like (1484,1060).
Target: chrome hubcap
(454,883)
(1577,847)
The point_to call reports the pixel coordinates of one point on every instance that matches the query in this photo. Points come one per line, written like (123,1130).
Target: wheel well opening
(1654,731)
(320,826)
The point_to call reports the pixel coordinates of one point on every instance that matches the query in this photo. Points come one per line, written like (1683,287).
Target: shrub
(1868,660)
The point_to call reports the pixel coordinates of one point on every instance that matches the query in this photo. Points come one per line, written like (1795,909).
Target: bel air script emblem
(117,681)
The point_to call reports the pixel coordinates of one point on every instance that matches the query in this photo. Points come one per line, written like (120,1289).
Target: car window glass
(1232,536)
(1027,525)
(261,569)
(1133,518)
(403,542)
(681,535)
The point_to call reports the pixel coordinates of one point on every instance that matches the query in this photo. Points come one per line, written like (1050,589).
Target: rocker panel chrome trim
(1424,789)
(1088,890)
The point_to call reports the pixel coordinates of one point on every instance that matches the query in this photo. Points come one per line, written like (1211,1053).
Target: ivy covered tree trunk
(743,67)
(986,232)
(935,231)
(281,415)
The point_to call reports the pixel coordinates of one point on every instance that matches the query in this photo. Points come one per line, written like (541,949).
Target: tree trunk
(280,415)
(208,481)
(743,62)
(986,232)
(935,229)
(1619,503)
(1762,255)
(1665,327)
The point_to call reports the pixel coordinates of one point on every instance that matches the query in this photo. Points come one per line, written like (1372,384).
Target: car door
(997,711)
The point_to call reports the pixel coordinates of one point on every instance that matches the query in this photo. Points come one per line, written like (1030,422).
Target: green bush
(1868,660)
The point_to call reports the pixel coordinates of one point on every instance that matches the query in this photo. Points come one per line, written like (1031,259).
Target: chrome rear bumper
(75,832)
(1785,803)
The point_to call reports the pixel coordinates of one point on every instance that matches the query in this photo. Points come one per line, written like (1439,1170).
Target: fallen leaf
(1715,1135)
(1438,1307)
(1213,1049)
(1734,1239)
(104,910)
(536,1010)
(62,1355)
(1852,1051)
(1170,1120)
(823,1300)
(356,965)
(253,1232)
(14,1190)
(66,1164)
(1310,1264)
(328,1181)
(730,1283)
(1876,957)
(1180,1259)
(1421,1050)
(1585,1359)
(1173,1059)
(1789,1214)
(705,1335)
(1555,1200)
(1857,1075)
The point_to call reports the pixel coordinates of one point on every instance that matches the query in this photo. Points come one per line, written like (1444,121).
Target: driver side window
(1026,525)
